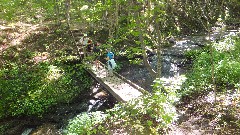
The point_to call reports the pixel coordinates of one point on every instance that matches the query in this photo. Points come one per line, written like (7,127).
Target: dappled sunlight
(3,47)
(84,7)
(17,35)
(173,83)
(211,113)
(54,73)
(183,45)
(18,32)
(41,57)
(36,94)
(229,99)
(227,44)
(210,98)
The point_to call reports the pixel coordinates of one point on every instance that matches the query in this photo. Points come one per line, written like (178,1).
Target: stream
(174,64)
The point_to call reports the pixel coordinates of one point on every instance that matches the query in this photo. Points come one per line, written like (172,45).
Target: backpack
(96,49)
(111,55)
(112,63)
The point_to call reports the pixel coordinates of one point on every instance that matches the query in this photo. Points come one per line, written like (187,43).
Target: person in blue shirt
(110,62)
(110,54)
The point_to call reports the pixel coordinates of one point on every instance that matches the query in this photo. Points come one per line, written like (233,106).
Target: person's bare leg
(111,72)
(98,64)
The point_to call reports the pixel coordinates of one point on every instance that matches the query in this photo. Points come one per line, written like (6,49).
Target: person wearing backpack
(110,62)
(89,47)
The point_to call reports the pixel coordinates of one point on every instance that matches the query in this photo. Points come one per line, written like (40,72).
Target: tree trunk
(116,17)
(57,12)
(143,46)
(158,41)
(207,16)
(159,54)
(110,30)
(67,4)
(212,70)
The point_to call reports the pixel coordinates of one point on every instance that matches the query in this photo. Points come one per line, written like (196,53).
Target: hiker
(110,62)
(89,47)
(97,53)
(83,41)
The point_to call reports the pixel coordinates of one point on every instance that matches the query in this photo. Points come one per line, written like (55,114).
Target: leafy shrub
(193,54)
(226,67)
(32,90)
(85,123)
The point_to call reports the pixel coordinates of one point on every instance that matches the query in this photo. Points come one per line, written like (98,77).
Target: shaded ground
(204,116)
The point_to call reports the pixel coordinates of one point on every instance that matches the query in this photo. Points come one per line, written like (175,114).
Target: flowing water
(174,64)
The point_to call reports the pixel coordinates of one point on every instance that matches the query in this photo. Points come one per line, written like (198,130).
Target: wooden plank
(121,88)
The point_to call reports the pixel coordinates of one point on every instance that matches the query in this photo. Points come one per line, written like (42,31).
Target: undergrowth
(34,77)
(226,67)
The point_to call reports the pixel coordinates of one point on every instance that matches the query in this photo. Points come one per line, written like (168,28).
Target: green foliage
(133,52)
(149,114)
(119,66)
(232,16)
(30,88)
(3,128)
(226,69)
(30,11)
(85,123)
(194,54)
(32,91)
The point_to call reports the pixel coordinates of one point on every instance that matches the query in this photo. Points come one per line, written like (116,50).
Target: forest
(183,53)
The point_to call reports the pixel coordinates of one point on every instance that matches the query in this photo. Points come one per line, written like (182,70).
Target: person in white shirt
(83,42)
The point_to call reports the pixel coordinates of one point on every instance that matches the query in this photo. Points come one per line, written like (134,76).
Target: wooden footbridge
(121,88)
